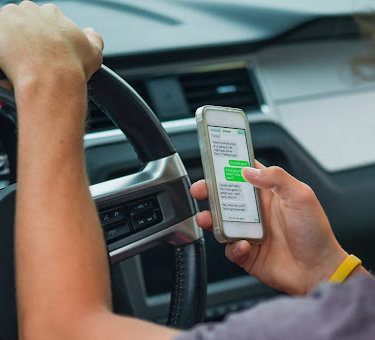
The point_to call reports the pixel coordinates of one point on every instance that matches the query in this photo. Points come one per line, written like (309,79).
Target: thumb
(277,179)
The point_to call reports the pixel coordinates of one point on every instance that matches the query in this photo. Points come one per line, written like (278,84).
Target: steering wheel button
(139,223)
(105,218)
(112,215)
(142,207)
(152,218)
(116,232)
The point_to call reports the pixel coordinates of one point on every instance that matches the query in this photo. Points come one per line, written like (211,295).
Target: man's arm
(63,282)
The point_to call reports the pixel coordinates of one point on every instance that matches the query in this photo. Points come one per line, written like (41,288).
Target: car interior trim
(181,233)
(171,127)
(155,172)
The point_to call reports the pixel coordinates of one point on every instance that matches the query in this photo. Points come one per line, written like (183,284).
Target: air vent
(224,88)
(98,121)
(177,97)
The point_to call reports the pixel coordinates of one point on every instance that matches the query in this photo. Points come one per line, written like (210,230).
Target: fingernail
(252,172)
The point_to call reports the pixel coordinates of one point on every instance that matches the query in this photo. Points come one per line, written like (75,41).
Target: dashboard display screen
(230,154)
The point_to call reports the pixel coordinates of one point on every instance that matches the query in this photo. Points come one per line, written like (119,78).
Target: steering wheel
(138,211)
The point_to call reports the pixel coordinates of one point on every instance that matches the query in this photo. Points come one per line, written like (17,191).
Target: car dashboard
(293,70)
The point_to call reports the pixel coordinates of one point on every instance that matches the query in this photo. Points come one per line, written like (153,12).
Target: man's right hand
(28,49)
(300,249)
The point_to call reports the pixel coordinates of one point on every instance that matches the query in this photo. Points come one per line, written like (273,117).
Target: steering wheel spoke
(146,209)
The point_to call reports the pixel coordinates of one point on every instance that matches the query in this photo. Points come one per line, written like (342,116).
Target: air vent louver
(224,88)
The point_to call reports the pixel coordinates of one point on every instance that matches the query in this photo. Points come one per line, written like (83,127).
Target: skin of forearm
(62,266)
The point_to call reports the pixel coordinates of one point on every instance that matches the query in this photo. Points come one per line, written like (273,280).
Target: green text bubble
(238,163)
(233,174)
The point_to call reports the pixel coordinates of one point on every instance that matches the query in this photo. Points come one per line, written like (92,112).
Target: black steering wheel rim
(132,115)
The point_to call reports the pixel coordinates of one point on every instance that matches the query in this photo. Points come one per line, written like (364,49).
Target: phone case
(207,163)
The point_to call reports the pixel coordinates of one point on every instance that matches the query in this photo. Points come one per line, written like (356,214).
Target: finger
(52,8)
(199,190)
(9,7)
(94,37)
(238,252)
(204,220)
(28,4)
(282,184)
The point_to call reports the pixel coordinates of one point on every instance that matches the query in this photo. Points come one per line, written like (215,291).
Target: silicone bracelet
(345,268)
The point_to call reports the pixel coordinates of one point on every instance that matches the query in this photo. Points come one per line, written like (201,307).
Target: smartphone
(225,145)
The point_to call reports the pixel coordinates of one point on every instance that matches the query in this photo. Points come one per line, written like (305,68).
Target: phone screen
(230,154)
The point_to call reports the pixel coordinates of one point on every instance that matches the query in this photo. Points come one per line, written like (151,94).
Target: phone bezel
(226,231)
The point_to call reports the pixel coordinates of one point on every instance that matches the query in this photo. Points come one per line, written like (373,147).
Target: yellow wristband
(345,268)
